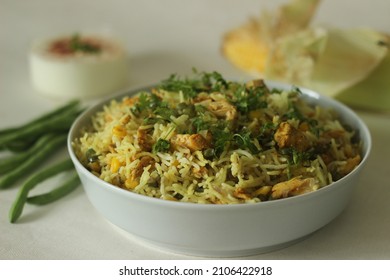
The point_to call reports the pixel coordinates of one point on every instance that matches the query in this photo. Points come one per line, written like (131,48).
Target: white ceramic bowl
(223,230)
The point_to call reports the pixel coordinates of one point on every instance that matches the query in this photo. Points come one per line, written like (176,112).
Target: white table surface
(165,37)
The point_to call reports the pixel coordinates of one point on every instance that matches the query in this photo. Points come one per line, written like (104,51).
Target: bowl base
(205,253)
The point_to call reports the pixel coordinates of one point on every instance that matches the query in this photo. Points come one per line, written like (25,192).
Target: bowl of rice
(210,167)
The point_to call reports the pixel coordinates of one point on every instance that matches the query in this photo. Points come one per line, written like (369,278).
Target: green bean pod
(18,205)
(65,108)
(5,132)
(56,124)
(13,161)
(56,121)
(29,164)
(57,193)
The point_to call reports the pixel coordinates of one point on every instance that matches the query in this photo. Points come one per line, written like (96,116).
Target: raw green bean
(5,132)
(18,205)
(65,108)
(56,193)
(19,138)
(68,107)
(19,145)
(10,178)
(58,123)
(13,161)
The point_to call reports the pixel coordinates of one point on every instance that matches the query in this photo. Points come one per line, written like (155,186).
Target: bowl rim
(342,109)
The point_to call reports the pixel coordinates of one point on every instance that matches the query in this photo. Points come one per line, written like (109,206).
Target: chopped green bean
(10,178)
(56,193)
(18,205)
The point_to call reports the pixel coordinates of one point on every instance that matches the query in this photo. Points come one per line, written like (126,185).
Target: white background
(165,37)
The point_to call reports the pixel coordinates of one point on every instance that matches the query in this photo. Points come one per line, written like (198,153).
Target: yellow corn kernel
(119,131)
(115,165)
(131,184)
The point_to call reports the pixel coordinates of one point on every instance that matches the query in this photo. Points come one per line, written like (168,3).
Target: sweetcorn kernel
(115,165)
(131,184)
(119,131)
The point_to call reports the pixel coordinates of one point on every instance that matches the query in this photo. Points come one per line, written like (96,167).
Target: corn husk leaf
(373,92)
(348,58)
(292,17)
(346,64)
(293,57)
(248,46)
(245,49)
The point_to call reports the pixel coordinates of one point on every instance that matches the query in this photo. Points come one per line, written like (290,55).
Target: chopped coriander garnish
(177,96)
(161,146)
(245,141)
(77,44)
(248,99)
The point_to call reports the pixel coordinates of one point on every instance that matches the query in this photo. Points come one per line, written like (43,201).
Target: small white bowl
(223,230)
(81,75)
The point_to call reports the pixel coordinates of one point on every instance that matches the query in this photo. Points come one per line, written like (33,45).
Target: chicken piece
(262,191)
(220,108)
(144,162)
(293,187)
(250,193)
(288,136)
(194,142)
(223,108)
(144,140)
(349,166)
(242,193)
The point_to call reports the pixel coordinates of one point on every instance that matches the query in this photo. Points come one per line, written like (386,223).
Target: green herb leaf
(222,138)
(161,145)
(190,88)
(147,102)
(77,44)
(295,157)
(175,84)
(249,99)
(244,141)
